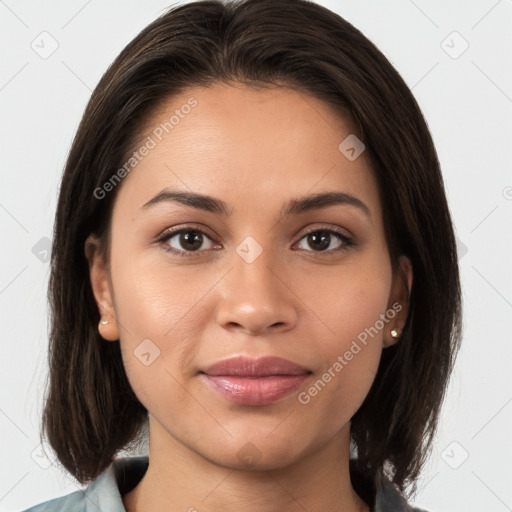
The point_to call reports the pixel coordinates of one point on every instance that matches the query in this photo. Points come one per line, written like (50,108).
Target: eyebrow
(293,207)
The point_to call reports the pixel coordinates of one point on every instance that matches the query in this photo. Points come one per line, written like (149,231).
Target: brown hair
(91,412)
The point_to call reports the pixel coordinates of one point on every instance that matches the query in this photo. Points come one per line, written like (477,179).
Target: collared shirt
(105,493)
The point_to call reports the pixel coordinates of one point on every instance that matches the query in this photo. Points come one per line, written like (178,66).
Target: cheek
(353,318)
(159,321)
(349,366)
(153,298)
(347,303)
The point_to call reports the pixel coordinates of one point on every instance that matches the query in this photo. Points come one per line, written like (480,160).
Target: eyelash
(167,235)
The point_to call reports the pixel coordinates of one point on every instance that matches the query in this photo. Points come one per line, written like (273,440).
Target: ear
(399,301)
(99,276)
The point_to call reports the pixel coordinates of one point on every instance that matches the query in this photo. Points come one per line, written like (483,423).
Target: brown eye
(190,240)
(325,240)
(186,241)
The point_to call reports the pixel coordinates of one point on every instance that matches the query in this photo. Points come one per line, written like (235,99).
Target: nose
(257,298)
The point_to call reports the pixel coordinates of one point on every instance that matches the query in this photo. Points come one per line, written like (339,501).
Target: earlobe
(395,333)
(402,285)
(98,275)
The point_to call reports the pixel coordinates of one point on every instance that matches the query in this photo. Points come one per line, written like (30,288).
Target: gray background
(52,56)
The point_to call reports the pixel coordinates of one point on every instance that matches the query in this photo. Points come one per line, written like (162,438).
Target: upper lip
(244,366)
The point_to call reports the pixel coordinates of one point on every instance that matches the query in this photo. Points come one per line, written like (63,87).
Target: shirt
(105,493)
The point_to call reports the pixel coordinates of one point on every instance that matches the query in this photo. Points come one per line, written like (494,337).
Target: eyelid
(185,227)
(328,227)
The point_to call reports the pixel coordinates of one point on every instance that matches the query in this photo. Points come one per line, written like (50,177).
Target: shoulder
(389,499)
(104,493)
(379,491)
(73,502)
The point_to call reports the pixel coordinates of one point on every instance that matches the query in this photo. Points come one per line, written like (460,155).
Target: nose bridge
(254,298)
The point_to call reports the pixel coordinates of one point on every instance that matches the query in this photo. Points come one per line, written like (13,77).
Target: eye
(185,241)
(189,240)
(326,240)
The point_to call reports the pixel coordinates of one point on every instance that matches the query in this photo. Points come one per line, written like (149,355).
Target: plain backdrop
(455,55)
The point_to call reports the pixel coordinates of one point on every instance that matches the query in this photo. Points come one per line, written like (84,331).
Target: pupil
(193,240)
(321,238)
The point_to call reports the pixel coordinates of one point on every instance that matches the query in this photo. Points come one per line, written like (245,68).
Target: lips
(243,366)
(251,381)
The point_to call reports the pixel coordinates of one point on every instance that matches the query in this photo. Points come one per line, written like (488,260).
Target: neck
(179,479)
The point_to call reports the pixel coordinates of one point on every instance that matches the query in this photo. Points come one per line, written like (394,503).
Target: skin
(255,150)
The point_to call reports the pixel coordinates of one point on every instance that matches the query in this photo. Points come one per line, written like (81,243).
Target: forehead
(247,145)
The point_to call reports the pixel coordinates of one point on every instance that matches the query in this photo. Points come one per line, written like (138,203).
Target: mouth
(249,381)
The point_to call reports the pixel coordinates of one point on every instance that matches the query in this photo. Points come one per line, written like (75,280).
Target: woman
(253,257)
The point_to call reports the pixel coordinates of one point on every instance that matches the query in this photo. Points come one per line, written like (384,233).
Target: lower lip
(255,390)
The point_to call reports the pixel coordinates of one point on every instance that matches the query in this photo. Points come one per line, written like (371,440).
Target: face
(256,271)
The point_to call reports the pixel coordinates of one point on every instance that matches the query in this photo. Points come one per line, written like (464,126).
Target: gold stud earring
(395,333)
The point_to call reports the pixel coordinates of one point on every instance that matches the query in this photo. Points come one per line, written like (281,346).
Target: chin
(258,454)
